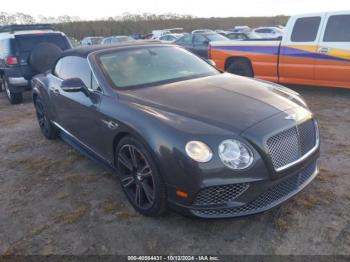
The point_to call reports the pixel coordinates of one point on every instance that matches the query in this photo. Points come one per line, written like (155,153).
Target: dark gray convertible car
(178,132)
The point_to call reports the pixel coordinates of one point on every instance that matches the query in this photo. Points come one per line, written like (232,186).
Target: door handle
(55,90)
(323,50)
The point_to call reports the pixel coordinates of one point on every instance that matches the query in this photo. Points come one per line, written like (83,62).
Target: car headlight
(198,151)
(235,155)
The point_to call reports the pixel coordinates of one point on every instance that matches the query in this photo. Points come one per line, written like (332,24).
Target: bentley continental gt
(178,132)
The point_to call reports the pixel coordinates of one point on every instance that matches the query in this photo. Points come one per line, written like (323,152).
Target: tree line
(127,23)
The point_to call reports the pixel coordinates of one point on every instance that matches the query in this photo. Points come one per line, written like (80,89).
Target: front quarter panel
(40,85)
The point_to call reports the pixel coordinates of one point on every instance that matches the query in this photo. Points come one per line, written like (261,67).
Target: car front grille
(292,144)
(269,198)
(217,195)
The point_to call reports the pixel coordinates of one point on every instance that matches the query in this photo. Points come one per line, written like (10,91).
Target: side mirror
(210,62)
(74,85)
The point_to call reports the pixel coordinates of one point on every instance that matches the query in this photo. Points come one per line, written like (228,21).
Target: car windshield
(145,66)
(216,37)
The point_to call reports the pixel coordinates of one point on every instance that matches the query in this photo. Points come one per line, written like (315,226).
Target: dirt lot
(55,201)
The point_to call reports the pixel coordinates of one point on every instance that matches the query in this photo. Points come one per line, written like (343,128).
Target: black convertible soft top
(84,51)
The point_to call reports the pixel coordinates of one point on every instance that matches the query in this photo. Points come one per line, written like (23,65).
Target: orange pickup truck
(314,50)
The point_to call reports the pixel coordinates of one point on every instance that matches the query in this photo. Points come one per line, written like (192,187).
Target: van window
(338,29)
(306,29)
(27,42)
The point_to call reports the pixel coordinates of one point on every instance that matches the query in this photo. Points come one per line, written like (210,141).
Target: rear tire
(14,98)
(141,182)
(240,67)
(48,129)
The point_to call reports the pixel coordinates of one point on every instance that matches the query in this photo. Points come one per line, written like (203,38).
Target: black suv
(26,50)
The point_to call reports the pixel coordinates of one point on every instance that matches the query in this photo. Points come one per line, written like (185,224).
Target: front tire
(14,98)
(240,67)
(141,182)
(47,128)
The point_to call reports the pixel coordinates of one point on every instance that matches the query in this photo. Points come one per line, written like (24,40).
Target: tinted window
(338,29)
(200,40)
(27,42)
(153,65)
(305,29)
(186,40)
(75,67)
(232,36)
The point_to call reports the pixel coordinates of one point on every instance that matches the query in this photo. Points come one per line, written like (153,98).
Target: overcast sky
(90,9)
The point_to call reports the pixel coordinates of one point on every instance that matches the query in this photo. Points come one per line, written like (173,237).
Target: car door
(299,49)
(78,112)
(200,45)
(332,67)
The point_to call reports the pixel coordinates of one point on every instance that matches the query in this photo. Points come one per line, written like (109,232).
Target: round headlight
(198,151)
(235,155)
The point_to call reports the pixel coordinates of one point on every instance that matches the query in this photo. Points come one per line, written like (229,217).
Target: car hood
(227,101)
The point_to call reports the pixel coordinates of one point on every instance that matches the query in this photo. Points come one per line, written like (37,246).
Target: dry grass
(39,230)
(70,217)
(73,156)
(313,199)
(110,207)
(62,195)
(14,148)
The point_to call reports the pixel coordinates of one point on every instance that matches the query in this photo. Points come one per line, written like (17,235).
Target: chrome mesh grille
(219,194)
(266,199)
(291,144)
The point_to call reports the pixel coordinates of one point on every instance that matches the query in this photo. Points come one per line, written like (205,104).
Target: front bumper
(249,198)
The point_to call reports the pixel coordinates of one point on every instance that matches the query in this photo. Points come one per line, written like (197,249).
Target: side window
(232,36)
(187,40)
(306,29)
(199,40)
(77,67)
(338,29)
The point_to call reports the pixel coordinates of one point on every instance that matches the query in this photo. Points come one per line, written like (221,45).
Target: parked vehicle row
(314,50)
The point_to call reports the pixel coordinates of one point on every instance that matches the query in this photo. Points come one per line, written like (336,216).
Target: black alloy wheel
(139,178)
(47,128)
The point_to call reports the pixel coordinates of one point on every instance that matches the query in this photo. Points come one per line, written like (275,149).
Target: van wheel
(240,67)
(14,98)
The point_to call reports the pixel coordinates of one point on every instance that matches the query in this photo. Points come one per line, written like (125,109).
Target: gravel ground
(55,201)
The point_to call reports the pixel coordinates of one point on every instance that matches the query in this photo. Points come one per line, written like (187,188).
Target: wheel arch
(128,131)
(230,59)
